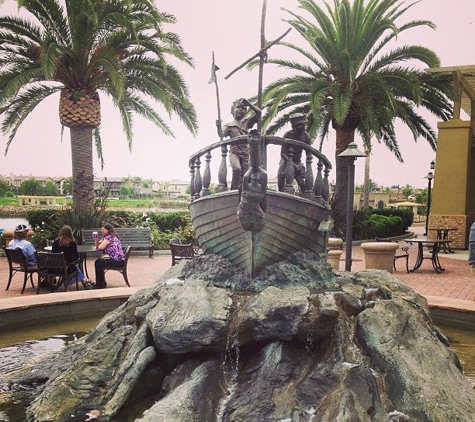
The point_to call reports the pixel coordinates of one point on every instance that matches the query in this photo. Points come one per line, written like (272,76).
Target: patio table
(443,233)
(434,257)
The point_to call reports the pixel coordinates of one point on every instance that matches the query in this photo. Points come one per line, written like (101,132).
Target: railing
(316,189)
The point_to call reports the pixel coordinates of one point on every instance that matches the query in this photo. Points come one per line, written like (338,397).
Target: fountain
(307,345)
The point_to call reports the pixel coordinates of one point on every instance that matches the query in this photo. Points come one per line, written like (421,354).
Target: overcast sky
(231,29)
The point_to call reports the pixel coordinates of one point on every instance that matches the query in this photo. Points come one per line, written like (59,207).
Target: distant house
(172,189)
(175,189)
(16,180)
(113,185)
(376,200)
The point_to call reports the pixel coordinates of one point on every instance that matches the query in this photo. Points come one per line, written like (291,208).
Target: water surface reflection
(19,346)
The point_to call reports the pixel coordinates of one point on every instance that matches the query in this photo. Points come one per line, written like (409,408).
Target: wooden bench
(136,237)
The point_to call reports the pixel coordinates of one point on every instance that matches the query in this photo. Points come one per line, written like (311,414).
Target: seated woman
(66,243)
(113,255)
(20,241)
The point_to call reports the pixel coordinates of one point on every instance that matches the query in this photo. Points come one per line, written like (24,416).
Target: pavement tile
(455,287)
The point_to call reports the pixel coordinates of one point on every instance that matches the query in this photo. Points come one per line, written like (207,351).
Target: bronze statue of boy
(239,153)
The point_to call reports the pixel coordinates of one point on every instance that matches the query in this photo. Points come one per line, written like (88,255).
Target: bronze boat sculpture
(280,224)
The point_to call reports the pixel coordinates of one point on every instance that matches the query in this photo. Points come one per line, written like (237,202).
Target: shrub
(363,227)
(405,214)
(386,226)
(163,226)
(47,222)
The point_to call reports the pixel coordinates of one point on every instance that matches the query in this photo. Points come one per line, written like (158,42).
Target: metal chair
(181,251)
(17,264)
(122,269)
(54,270)
(402,252)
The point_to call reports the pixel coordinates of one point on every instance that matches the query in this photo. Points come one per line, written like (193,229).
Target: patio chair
(122,269)
(17,264)
(402,252)
(53,270)
(181,251)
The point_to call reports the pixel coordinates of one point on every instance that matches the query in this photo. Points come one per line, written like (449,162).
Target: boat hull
(291,225)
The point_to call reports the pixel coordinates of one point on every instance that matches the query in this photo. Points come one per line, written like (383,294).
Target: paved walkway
(454,288)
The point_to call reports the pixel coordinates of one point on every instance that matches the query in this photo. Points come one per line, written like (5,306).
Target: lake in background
(9,224)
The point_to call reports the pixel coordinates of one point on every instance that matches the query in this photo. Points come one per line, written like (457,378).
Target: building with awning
(453,195)
(408,204)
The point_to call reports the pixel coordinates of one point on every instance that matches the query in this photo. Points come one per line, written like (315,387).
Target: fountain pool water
(462,341)
(21,344)
(24,343)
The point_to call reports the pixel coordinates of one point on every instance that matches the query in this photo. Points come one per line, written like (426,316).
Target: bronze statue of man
(239,153)
(298,133)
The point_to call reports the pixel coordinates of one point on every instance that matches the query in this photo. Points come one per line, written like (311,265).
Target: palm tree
(367,179)
(31,187)
(67,186)
(116,47)
(352,82)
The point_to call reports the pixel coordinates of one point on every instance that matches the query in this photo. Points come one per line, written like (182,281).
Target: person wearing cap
(298,133)
(20,241)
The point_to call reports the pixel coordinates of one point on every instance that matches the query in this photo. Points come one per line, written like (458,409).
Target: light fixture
(429,178)
(352,152)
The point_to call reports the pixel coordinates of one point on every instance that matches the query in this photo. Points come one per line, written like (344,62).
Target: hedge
(163,226)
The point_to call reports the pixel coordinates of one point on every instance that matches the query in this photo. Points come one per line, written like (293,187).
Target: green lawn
(121,203)
(8,201)
(146,203)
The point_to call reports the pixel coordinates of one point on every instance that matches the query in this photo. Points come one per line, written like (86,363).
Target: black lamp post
(352,152)
(429,178)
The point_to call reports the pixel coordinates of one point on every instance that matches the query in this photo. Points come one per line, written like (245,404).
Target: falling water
(230,364)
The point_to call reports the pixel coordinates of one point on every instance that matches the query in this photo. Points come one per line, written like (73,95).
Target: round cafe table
(436,244)
(443,233)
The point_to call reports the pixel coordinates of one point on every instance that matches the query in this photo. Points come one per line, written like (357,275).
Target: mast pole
(262,58)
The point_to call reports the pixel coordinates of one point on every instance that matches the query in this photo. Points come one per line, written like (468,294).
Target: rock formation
(299,343)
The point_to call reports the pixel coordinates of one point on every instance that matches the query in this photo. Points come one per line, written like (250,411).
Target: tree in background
(407,190)
(367,179)
(126,191)
(67,186)
(31,186)
(421,197)
(50,188)
(5,187)
(352,81)
(115,47)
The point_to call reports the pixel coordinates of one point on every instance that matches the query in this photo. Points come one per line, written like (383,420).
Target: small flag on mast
(214,68)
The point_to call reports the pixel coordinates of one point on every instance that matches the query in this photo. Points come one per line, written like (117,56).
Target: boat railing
(316,188)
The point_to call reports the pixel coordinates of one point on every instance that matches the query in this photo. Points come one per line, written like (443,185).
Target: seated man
(20,241)
(298,133)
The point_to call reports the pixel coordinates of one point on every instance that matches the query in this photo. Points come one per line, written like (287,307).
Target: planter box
(379,255)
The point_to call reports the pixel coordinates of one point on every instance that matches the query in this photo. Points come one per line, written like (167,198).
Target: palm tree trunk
(367,178)
(344,137)
(83,176)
